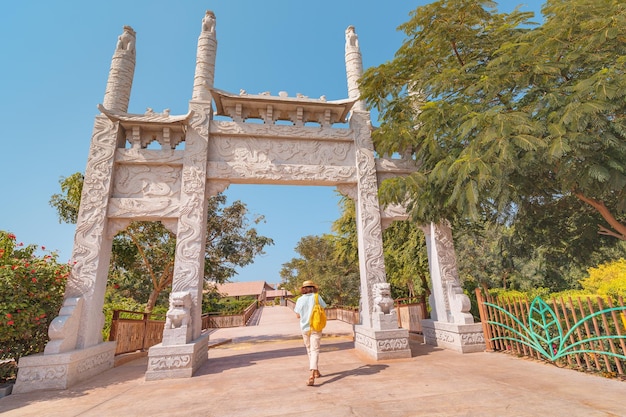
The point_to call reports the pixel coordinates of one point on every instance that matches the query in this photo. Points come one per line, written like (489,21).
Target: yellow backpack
(318,316)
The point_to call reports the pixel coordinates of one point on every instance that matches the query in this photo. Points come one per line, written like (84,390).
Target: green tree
(338,281)
(333,260)
(498,111)
(142,261)
(406,260)
(31,294)
(67,202)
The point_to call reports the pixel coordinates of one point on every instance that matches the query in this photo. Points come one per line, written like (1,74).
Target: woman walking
(303,309)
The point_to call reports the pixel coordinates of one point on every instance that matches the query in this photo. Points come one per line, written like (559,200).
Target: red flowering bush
(31,294)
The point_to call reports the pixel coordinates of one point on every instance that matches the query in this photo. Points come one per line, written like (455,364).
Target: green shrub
(516,294)
(608,279)
(31,294)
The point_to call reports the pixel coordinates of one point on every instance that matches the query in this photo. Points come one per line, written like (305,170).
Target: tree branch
(607,232)
(144,259)
(619,229)
(456,52)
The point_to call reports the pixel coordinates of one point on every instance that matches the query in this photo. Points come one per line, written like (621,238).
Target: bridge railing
(216,321)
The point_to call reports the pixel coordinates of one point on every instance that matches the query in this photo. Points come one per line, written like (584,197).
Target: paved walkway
(261,371)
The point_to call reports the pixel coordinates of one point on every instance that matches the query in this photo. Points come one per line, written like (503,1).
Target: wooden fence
(212,321)
(411,314)
(135,331)
(346,314)
(585,333)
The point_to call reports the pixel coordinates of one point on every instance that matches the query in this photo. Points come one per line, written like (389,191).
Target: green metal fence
(585,333)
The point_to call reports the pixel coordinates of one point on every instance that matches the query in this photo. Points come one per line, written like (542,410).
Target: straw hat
(309,283)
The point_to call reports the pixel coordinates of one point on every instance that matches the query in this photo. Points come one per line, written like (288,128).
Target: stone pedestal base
(177,336)
(177,361)
(62,370)
(463,338)
(382,344)
(382,321)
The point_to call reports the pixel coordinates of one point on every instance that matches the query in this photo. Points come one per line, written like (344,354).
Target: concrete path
(261,371)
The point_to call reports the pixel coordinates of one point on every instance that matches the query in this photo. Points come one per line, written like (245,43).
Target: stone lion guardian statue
(179,313)
(383,303)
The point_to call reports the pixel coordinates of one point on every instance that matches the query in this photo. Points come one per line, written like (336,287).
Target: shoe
(311,381)
(317,374)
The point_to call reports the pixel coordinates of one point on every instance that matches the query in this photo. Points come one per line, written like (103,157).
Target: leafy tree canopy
(497,110)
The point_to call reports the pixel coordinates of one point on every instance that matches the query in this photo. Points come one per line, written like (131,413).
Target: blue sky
(55,63)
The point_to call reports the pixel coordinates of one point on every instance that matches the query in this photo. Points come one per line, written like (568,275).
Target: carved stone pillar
(376,340)
(451,325)
(76,351)
(183,349)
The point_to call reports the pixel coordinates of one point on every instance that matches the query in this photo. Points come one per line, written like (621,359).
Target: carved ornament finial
(126,41)
(352,39)
(208,22)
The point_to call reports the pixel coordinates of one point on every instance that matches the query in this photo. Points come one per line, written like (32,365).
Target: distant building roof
(241,289)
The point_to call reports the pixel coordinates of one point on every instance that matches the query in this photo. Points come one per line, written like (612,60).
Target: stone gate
(293,140)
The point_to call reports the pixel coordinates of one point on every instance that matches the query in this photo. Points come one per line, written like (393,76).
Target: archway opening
(289,214)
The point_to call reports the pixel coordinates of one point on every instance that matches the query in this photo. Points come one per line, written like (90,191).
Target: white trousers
(312,343)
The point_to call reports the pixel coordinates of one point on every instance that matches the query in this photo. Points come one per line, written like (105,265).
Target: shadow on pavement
(419,348)
(363,370)
(217,363)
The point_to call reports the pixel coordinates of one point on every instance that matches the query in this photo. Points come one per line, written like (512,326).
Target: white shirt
(304,307)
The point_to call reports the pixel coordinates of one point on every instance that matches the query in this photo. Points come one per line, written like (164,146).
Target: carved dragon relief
(91,222)
(188,246)
(457,303)
(368,205)
(190,238)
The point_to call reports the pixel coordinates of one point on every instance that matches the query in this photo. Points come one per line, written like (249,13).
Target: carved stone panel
(145,181)
(253,150)
(267,173)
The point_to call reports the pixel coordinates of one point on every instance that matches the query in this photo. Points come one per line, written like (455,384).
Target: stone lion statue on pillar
(179,313)
(383,303)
